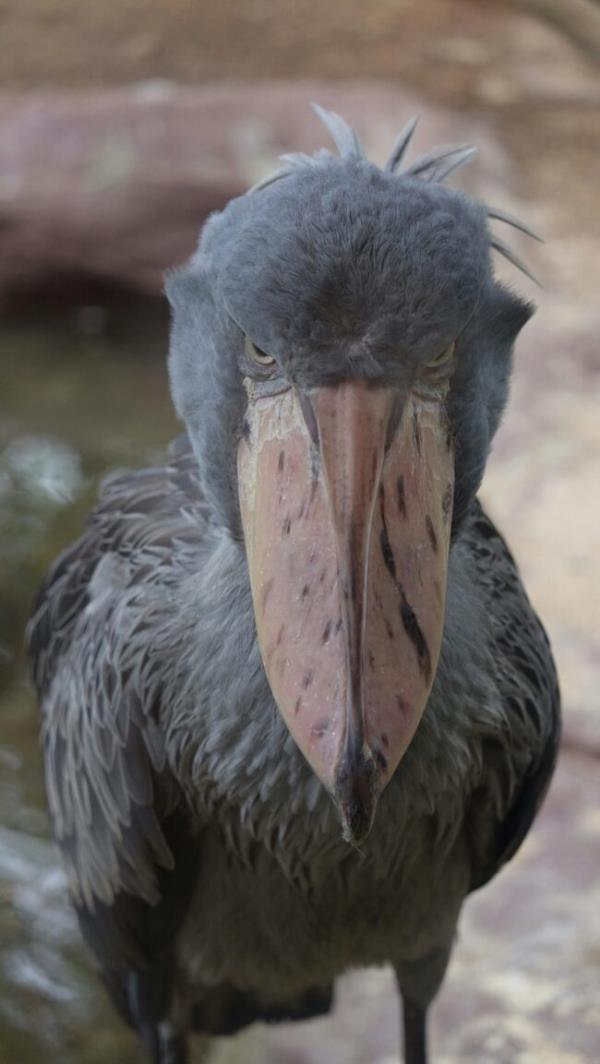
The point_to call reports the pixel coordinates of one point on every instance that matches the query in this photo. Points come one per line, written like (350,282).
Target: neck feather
(230,748)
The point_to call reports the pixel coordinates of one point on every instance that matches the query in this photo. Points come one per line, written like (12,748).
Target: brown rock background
(121,127)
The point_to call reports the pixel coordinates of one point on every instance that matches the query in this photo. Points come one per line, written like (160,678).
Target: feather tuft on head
(434,166)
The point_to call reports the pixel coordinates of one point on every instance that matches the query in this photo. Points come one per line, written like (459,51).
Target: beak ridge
(346,526)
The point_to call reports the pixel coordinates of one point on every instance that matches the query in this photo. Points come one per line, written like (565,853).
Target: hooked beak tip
(357,788)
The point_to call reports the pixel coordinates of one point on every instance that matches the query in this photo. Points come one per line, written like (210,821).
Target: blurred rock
(113,185)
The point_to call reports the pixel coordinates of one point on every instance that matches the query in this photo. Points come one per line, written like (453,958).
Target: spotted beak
(346,495)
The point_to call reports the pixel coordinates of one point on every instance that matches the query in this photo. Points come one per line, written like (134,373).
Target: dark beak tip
(356,793)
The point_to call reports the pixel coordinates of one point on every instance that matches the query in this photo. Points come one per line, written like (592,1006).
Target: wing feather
(516,778)
(117,814)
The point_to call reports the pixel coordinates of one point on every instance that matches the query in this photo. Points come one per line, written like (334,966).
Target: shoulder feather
(517,776)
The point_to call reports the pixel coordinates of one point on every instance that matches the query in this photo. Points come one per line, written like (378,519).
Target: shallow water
(82,393)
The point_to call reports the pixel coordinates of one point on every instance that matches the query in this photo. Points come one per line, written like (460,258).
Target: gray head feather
(293,161)
(343,136)
(509,219)
(402,141)
(434,166)
(509,254)
(441,162)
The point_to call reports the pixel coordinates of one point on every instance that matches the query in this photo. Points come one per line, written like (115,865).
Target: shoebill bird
(296,704)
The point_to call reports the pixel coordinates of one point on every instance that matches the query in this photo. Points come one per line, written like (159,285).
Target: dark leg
(163,1045)
(419,982)
(415,1035)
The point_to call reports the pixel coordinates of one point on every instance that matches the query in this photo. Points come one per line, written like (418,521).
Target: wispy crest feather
(509,254)
(434,166)
(344,137)
(401,144)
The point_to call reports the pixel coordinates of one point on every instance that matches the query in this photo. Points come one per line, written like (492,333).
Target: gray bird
(296,704)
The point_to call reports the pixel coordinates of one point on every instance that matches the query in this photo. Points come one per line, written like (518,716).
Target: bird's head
(340,355)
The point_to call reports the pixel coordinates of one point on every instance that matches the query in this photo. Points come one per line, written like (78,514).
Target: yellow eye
(442,359)
(258,356)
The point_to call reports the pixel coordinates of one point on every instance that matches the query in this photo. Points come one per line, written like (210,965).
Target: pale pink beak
(346,497)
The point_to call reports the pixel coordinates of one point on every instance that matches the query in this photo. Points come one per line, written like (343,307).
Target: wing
(117,813)
(518,772)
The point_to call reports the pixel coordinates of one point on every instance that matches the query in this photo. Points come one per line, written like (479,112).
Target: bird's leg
(415,1033)
(419,982)
(164,1045)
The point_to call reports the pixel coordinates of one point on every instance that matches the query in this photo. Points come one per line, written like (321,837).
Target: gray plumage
(509,219)
(205,858)
(401,144)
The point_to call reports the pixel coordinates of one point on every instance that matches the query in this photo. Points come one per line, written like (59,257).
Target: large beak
(345,496)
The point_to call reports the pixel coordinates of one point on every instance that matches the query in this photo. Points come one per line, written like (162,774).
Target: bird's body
(205,856)
(279,904)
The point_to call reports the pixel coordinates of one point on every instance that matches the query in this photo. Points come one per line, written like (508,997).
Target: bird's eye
(256,355)
(442,359)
